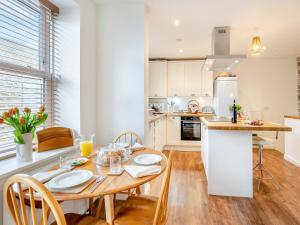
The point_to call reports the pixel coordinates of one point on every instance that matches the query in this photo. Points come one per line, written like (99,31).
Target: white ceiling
(276,21)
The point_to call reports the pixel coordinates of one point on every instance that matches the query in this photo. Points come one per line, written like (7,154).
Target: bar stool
(260,141)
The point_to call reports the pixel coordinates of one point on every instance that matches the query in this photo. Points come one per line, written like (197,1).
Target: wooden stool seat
(138,210)
(77,219)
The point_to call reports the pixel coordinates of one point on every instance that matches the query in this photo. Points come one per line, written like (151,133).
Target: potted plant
(238,109)
(24,128)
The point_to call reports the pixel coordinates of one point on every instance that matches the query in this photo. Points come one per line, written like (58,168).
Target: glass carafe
(86,144)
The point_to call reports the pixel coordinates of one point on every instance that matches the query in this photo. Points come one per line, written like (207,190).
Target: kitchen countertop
(292,117)
(267,126)
(158,116)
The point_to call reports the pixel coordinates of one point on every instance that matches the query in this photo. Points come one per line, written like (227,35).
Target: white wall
(121,54)
(68,92)
(269,85)
(77,86)
(88,66)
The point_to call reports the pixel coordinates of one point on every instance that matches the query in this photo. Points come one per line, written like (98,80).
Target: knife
(98,181)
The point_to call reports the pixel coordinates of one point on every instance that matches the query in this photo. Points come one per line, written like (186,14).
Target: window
(27,60)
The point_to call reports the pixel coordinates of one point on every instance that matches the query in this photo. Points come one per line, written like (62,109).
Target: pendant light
(256,46)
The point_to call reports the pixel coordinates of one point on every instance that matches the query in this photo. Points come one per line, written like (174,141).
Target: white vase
(24,151)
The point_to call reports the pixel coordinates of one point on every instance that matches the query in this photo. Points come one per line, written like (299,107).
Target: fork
(97,182)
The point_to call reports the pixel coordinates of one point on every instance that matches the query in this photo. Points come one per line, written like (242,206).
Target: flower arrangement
(238,108)
(25,123)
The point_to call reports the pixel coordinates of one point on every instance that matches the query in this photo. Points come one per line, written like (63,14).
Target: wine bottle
(234,113)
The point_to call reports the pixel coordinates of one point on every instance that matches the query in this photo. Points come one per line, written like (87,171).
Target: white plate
(70,179)
(78,161)
(147,159)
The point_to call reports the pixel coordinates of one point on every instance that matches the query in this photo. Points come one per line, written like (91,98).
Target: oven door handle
(190,122)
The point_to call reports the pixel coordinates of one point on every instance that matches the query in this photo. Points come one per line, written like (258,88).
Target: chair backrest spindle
(130,136)
(13,196)
(162,204)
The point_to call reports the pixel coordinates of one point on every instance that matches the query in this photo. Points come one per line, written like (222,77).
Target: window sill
(10,166)
(7,155)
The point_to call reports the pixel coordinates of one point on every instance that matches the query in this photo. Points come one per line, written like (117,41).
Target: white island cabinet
(227,156)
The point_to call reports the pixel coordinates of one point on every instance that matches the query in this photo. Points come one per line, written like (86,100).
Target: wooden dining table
(112,184)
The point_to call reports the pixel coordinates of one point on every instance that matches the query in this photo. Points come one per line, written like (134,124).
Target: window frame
(46,61)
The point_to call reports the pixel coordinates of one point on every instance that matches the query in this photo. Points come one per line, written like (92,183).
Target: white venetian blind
(27,56)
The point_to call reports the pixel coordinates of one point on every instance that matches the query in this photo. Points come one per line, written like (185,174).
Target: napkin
(48,175)
(142,171)
(137,146)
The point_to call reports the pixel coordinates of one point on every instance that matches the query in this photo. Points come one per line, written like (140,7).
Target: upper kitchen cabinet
(176,78)
(193,78)
(158,79)
(181,78)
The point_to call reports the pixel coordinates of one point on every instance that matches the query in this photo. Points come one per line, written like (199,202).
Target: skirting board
(182,148)
(291,160)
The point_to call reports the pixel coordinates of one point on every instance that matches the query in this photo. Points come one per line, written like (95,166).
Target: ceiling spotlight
(176,22)
(180,51)
(236,61)
(228,68)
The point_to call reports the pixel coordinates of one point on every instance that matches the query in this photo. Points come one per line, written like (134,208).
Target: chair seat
(77,219)
(262,140)
(138,210)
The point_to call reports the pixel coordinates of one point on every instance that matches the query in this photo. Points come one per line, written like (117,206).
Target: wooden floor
(189,203)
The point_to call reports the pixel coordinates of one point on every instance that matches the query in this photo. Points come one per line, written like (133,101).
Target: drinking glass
(86,144)
(115,164)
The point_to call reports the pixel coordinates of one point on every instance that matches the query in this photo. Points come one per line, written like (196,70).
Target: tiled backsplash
(180,102)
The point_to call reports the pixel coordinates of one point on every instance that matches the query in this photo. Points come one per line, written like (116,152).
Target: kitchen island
(226,150)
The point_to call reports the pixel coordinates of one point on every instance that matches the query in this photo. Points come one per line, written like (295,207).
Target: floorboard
(190,204)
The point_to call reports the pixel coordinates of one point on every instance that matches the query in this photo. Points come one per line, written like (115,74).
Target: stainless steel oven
(190,128)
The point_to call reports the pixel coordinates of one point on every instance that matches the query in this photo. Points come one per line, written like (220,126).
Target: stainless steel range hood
(221,60)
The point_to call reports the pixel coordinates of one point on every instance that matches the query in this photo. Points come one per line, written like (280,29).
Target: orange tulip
(42,108)
(22,121)
(27,110)
(12,111)
(39,116)
(5,115)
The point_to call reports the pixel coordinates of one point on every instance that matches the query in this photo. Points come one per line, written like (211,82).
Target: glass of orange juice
(86,144)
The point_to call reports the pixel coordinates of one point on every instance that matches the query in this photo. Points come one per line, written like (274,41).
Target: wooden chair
(146,210)
(54,138)
(129,137)
(15,201)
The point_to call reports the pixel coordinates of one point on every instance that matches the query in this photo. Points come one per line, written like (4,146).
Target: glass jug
(86,144)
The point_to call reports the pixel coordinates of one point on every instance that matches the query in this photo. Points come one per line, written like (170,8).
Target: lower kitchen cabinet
(173,130)
(157,133)
(151,139)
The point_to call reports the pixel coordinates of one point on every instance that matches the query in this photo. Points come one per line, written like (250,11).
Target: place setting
(120,157)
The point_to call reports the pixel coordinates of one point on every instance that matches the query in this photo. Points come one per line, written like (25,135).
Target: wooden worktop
(292,117)
(267,126)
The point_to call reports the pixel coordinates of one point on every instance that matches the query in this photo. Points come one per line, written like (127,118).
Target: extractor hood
(221,60)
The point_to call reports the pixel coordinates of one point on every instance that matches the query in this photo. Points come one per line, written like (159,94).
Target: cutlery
(97,182)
